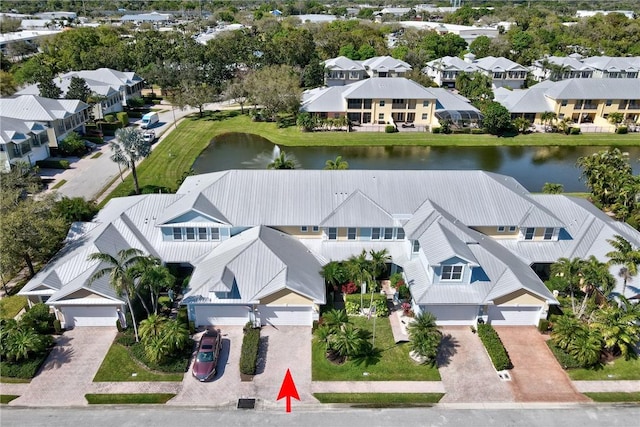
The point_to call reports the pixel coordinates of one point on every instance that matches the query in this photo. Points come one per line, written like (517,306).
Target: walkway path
(607,386)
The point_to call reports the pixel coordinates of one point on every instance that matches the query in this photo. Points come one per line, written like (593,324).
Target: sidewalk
(607,386)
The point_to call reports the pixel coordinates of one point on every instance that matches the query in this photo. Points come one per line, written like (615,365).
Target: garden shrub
(390,129)
(564,359)
(574,131)
(26,369)
(436,130)
(249,351)
(109,129)
(135,114)
(135,102)
(622,130)
(72,145)
(39,318)
(94,139)
(379,300)
(176,362)
(477,131)
(352,308)
(57,327)
(183,316)
(122,117)
(543,325)
(494,346)
(126,338)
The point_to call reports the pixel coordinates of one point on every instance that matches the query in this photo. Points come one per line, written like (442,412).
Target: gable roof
(387,88)
(37,108)
(343,63)
(385,63)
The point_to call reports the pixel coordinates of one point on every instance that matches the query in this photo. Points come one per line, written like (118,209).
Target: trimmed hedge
(53,164)
(494,346)
(122,117)
(564,359)
(111,128)
(622,130)
(249,351)
(25,369)
(574,131)
(390,129)
(94,139)
(379,300)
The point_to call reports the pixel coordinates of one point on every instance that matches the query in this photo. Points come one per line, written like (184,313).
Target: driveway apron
(536,375)
(68,372)
(467,373)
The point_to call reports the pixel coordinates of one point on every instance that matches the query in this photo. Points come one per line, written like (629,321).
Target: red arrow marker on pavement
(288,390)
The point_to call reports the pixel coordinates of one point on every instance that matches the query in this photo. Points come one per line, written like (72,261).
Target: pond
(531,166)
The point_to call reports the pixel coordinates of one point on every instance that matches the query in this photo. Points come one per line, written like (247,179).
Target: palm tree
(334,319)
(626,256)
(586,346)
(119,271)
(129,147)
(152,327)
(564,330)
(21,342)
(547,118)
(282,162)
(425,336)
(596,275)
(156,349)
(619,327)
(615,118)
(175,334)
(333,273)
(378,263)
(149,273)
(349,341)
(337,164)
(570,270)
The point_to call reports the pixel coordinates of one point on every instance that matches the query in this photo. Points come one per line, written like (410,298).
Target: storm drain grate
(246,403)
(504,376)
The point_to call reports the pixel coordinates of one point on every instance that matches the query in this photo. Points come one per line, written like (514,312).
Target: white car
(149,136)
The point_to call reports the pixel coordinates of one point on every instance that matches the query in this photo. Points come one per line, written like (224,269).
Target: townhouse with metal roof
(58,117)
(576,66)
(469,244)
(389,101)
(128,83)
(502,71)
(341,71)
(580,100)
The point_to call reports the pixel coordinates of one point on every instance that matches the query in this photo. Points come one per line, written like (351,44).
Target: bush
(183,316)
(390,129)
(119,326)
(110,118)
(352,308)
(564,359)
(110,128)
(72,145)
(379,301)
(249,351)
(135,102)
(436,130)
(622,130)
(574,131)
(126,338)
(462,131)
(39,318)
(544,325)
(53,164)
(57,327)
(477,131)
(122,117)
(94,139)
(494,346)
(26,369)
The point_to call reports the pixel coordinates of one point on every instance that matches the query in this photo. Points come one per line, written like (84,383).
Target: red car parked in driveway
(204,367)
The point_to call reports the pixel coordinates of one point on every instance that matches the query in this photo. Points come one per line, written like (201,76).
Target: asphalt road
(153,416)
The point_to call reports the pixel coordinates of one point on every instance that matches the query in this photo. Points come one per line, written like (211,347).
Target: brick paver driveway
(281,348)
(68,372)
(466,371)
(536,375)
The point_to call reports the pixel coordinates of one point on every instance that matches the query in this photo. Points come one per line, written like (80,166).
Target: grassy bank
(618,370)
(6,398)
(613,397)
(123,399)
(380,399)
(178,151)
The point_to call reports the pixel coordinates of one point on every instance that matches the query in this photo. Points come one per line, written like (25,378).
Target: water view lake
(531,166)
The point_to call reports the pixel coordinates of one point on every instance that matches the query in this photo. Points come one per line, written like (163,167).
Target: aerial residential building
(342,70)
(502,71)
(22,141)
(464,257)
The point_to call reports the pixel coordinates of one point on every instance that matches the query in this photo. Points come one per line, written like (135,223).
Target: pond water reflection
(531,166)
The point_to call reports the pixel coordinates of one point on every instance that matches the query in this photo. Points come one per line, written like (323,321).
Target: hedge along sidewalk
(493,344)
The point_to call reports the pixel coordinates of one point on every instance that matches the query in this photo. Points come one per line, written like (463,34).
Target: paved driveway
(68,372)
(281,348)
(536,375)
(466,371)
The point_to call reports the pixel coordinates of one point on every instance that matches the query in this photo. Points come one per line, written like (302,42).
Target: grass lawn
(620,369)
(118,365)
(380,399)
(60,183)
(394,363)
(6,398)
(177,152)
(614,397)
(135,398)
(11,306)
(11,380)
(98,154)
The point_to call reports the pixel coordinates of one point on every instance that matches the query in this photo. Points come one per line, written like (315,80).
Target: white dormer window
(512,228)
(202,233)
(177,233)
(304,229)
(501,229)
(529,232)
(415,247)
(191,233)
(215,234)
(548,233)
(315,229)
(452,272)
(400,234)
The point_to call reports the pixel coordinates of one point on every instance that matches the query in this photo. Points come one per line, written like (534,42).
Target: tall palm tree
(118,268)
(282,162)
(625,256)
(337,164)
(596,275)
(570,270)
(129,147)
(175,334)
(378,263)
(150,274)
(333,273)
(424,336)
(152,327)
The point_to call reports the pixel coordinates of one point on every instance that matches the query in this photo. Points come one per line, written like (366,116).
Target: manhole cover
(246,403)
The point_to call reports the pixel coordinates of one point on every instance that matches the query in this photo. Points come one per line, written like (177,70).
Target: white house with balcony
(22,141)
(502,71)
(575,66)
(341,71)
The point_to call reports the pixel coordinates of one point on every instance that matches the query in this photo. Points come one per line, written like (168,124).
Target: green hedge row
(249,351)
(53,164)
(379,300)
(111,128)
(25,369)
(122,117)
(622,130)
(494,346)
(564,359)
(94,139)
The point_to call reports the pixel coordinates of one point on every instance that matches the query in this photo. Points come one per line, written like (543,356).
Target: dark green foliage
(379,301)
(390,129)
(48,88)
(126,338)
(110,118)
(183,316)
(494,346)
(574,131)
(72,145)
(436,130)
(123,117)
(53,164)
(249,351)
(564,359)
(109,129)
(135,102)
(75,209)
(622,130)
(119,326)
(78,89)
(497,119)
(544,325)
(57,327)
(25,369)
(176,362)
(39,318)
(94,139)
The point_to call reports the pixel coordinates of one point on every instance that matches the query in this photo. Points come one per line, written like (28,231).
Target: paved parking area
(466,370)
(68,372)
(536,375)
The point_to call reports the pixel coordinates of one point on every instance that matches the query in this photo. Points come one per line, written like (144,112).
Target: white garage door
(89,316)
(453,314)
(291,316)
(510,315)
(221,315)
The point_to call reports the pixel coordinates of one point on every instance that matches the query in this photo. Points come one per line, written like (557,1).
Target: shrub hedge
(390,129)
(494,346)
(123,117)
(574,131)
(25,369)
(53,164)
(110,128)
(249,351)
(94,139)
(379,300)
(622,130)
(564,359)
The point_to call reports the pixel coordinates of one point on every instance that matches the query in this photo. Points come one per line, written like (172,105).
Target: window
(333,233)
(609,102)
(202,234)
(388,234)
(375,234)
(425,116)
(425,103)
(177,233)
(381,116)
(304,229)
(512,228)
(351,234)
(315,229)
(528,233)
(548,233)
(382,102)
(398,101)
(451,272)
(501,229)
(400,234)
(215,234)
(415,247)
(563,103)
(191,233)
